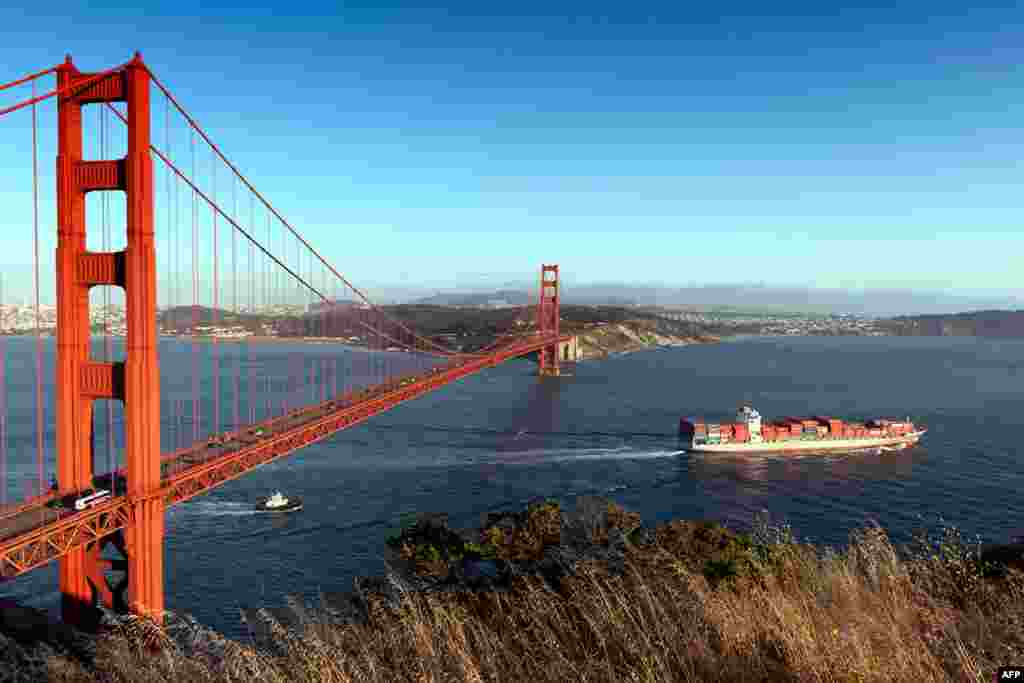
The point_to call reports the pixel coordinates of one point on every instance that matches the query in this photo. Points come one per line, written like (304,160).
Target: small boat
(278,503)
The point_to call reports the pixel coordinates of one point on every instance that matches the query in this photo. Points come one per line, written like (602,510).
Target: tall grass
(691,602)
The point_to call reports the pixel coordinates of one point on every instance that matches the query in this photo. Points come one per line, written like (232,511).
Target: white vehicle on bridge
(91,498)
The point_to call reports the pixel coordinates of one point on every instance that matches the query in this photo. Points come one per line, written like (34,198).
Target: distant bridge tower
(547,319)
(81,380)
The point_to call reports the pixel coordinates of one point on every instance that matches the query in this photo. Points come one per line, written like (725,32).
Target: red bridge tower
(135,381)
(547,319)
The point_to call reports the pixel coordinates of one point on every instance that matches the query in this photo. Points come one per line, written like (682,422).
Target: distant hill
(509,297)
(1006,324)
(520,298)
(186,315)
(878,302)
(748,297)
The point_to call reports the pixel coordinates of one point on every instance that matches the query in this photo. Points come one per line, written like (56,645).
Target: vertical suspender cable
(266,298)
(313,324)
(195,298)
(319,324)
(234,286)
(176,253)
(216,301)
(323,333)
(168,223)
(107,341)
(340,327)
(39,335)
(175,287)
(3,396)
(299,368)
(251,384)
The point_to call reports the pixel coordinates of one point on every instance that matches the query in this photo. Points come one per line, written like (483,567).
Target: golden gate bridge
(241,260)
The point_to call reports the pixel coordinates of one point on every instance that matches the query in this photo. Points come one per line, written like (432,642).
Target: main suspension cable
(60,92)
(192,122)
(30,77)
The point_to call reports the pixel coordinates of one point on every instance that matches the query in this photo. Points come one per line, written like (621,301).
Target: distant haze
(754,297)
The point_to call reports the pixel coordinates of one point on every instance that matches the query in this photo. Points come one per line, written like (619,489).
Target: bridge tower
(136,380)
(547,319)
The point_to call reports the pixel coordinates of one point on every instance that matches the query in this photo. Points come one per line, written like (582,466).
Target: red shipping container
(741,433)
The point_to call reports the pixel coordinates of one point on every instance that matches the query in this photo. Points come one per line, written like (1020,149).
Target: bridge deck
(37,533)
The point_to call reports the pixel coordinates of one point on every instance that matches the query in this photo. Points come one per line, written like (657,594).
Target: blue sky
(876,147)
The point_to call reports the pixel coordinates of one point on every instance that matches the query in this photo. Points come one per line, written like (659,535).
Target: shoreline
(590,349)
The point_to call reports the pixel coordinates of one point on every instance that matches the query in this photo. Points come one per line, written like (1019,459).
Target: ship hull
(797,446)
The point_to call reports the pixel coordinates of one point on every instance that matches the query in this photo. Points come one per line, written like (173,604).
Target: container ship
(748,434)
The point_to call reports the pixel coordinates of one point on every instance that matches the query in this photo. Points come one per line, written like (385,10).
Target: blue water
(610,429)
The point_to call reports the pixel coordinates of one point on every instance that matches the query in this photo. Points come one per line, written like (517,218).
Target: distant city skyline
(452,148)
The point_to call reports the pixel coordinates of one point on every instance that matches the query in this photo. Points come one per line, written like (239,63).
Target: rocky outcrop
(602,341)
(542,541)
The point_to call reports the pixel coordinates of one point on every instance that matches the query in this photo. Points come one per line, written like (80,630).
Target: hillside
(1004,324)
(508,297)
(602,329)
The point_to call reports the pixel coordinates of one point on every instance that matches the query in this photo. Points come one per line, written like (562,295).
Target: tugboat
(278,503)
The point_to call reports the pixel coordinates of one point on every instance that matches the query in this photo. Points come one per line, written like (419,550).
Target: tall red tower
(547,319)
(136,380)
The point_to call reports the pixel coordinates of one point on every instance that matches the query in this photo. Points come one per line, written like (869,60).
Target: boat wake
(541,455)
(616,454)
(213,508)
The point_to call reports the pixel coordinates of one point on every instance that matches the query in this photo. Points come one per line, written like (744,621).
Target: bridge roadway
(36,532)
(46,509)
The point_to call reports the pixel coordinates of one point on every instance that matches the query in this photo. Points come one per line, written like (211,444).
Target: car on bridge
(83,500)
(90,498)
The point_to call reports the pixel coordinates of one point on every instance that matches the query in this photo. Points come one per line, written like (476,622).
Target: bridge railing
(12,509)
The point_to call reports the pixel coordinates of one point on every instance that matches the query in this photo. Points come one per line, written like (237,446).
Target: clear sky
(671,143)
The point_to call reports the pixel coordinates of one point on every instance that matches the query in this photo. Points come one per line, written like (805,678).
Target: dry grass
(695,602)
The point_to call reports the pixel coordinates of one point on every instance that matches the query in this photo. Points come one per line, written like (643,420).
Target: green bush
(428,553)
(484,551)
(717,571)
